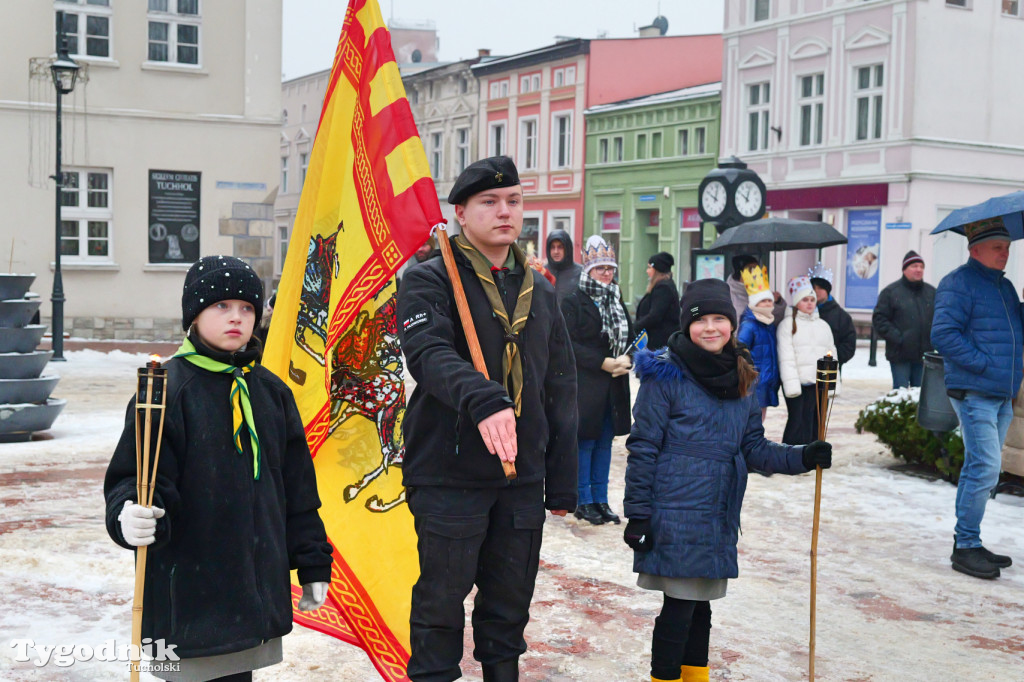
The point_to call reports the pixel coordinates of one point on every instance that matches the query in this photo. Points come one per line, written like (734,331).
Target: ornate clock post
(731,194)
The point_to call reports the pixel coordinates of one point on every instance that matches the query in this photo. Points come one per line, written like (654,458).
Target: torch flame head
(154,361)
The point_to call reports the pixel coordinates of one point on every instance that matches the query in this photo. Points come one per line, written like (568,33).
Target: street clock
(731,194)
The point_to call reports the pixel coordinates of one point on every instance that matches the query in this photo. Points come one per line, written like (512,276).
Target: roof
(548,53)
(682,94)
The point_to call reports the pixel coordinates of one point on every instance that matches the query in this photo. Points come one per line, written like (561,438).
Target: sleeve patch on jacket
(415,319)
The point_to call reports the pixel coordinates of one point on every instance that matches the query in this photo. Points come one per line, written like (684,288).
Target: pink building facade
(879,117)
(532,103)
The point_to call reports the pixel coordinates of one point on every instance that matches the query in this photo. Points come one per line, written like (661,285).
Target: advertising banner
(864,231)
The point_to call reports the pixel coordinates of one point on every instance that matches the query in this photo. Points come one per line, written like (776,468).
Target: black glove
(817,454)
(638,535)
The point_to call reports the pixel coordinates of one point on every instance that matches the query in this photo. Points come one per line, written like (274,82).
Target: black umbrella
(779,234)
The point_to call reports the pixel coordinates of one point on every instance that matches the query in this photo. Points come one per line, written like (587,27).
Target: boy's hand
(313,596)
(638,535)
(499,434)
(138,523)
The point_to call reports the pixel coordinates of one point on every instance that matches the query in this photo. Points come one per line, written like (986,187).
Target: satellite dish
(417,56)
(660,23)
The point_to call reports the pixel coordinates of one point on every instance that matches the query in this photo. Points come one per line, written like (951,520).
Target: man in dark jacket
(474,526)
(839,321)
(978,330)
(561,264)
(903,317)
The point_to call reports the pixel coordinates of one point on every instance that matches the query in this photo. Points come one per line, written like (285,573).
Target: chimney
(649,32)
(483,52)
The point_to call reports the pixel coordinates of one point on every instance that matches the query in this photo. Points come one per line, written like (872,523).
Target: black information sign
(173,216)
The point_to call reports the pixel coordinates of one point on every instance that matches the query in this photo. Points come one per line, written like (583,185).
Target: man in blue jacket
(978,330)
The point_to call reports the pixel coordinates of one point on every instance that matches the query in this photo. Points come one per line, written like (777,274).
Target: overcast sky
(311,27)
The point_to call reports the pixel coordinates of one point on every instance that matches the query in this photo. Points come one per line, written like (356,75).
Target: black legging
(802,422)
(681,634)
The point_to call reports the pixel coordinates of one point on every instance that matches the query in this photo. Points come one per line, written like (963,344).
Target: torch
(825,388)
(150,404)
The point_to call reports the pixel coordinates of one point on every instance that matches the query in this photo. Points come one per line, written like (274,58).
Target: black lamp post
(64,71)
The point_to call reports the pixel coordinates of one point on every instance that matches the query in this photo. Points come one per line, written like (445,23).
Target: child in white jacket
(803,339)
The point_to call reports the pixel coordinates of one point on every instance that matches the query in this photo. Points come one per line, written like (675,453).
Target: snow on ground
(888,608)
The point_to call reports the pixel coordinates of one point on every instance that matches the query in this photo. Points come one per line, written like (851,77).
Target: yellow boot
(692,673)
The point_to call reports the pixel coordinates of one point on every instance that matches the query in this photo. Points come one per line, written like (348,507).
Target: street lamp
(64,71)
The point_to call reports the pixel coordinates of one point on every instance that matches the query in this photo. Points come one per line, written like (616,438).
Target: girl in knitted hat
(757,333)
(803,339)
(236,502)
(696,432)
(601,331)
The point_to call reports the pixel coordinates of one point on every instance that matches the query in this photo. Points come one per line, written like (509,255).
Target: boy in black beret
(236,502)
(459,426)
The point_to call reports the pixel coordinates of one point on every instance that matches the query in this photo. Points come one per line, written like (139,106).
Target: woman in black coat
(600,330)
(658,310)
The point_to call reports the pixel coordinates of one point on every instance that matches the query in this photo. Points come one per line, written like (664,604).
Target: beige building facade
(170,152)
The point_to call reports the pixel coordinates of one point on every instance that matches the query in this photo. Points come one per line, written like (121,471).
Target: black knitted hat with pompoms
(219,278)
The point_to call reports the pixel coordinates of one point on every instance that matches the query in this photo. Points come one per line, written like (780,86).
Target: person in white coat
(803,338)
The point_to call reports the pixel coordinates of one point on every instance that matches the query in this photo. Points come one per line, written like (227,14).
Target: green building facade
(645,158)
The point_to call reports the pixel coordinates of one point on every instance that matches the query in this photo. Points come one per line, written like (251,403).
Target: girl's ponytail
(794,320)
(745,370)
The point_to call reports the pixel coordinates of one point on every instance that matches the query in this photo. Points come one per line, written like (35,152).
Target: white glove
(313,596)
(138,523)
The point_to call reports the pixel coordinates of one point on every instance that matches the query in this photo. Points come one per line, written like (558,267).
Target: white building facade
(879,116)
(169,152)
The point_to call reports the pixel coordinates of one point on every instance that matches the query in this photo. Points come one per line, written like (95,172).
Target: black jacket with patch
(442,442)
(217,576)
(843,332)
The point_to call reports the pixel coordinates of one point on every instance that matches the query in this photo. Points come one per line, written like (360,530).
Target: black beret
(497,171)
(662,261)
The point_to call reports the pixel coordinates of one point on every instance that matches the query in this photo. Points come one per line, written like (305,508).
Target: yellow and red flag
(367,204)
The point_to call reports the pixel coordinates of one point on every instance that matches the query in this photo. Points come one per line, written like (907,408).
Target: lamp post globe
(65,72)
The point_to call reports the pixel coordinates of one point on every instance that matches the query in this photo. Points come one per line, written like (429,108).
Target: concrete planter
(21,339)
(23,365)
(37,390)
(14,286)
(18,421)
(17,312)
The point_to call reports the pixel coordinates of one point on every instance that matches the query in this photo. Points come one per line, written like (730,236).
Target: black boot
(506,671)
(606,512)
(997,560)
(589,513)
(972,561)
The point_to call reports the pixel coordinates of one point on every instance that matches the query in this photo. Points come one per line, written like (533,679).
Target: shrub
(893,418)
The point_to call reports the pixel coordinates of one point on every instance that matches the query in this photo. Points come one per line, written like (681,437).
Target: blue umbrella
(1009,207)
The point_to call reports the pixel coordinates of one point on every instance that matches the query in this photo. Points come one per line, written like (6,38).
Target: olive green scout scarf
(512,361)
(241,408)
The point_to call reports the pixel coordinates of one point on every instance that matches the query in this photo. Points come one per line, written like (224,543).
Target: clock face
(749,201)
(713,199)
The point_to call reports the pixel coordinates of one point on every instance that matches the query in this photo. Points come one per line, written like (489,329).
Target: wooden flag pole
(467,320)
(825,385)
(150,397)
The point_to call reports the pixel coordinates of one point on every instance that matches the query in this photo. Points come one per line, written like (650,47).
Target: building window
(561,138)
(535,82)
(303,165)
(496,139)
(529,238)
(1011,8)
(282,246)
(762,10)
(529,83)
(641,146)
(683,142)
(570,75)
(966,4)
(499,89)
(86,214)
(700,140)
(414,96)
(436,145)
(284,174)
(463,86)
(812,109)
(758,100)
(559,78)
(868,101)
(655,145)
(602,150)
(462,148)
(86,27)
(528,143)
(617,149)
(302,115)
(174,31)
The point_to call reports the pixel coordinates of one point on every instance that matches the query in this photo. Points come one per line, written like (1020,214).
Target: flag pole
(467,320)
(825,384)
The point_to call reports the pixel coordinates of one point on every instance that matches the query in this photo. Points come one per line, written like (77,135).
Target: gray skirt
(694,589)
(211,667)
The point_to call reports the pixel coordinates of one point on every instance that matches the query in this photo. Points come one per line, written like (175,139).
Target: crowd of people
(554,336)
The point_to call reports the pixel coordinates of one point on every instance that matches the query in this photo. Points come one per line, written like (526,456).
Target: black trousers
(802,422)
(485,536)
(681,634)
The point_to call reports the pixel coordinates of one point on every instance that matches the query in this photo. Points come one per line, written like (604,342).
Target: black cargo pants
(485,536)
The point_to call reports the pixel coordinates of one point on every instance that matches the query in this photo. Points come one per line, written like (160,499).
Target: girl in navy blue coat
(696,429)
(757,333)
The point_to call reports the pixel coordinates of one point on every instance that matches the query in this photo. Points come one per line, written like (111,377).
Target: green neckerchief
(512,361)
(241,408)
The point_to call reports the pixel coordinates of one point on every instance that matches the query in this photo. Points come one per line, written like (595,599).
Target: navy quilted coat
(687,469)
(762,341)
(978,330)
